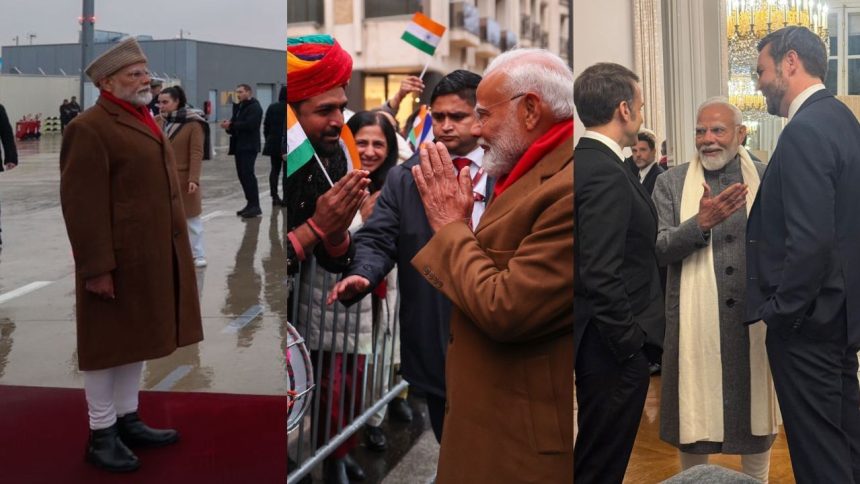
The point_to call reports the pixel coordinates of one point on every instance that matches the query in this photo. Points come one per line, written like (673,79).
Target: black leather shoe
(334,472)
(252,212)
(106,451)
(276,201)
(353,470)
(374,438)
(135,433)
(400,410)
(244,209)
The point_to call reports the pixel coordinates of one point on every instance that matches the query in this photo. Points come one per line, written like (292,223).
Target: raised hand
(713,211)
(337,207)
(446,197)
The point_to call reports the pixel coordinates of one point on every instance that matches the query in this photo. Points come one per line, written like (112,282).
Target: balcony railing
(509,39)
(465,16)
(491,32)
(526,27)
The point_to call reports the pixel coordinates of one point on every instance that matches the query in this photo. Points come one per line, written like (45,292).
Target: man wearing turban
(318,215)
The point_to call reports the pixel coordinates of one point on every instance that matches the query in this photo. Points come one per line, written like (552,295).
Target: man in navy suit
(617,302)
(398,229)
(803,258)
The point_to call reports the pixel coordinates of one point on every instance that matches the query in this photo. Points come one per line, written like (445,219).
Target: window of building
(378,88)
(305,11)
(387,8)
(843,63)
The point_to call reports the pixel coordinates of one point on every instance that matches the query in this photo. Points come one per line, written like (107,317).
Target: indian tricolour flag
(423,33)
(350,149)
(421,127)
(299,149)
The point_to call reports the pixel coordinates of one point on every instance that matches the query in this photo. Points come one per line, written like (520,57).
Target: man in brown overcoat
(136,292)
(509,413)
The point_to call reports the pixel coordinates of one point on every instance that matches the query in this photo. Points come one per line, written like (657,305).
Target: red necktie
(459,163)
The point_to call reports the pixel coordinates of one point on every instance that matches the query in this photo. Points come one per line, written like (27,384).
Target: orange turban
(315,64)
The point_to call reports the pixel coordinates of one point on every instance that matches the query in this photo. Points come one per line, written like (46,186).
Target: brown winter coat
(188,151)
(509,369)
(121,201)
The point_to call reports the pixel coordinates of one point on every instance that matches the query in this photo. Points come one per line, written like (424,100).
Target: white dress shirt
(611,143)
(476,156)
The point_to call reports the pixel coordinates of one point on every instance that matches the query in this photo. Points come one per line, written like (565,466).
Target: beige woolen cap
(123,54)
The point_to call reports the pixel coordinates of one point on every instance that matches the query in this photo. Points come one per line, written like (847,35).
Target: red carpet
(224,438)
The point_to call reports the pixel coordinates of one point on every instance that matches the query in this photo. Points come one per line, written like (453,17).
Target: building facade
(207,71)
(477,31)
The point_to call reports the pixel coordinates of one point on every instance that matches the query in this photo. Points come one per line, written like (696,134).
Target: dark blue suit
(394,233)
(803,266)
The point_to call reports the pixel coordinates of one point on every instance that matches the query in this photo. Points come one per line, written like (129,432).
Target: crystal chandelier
(747,23)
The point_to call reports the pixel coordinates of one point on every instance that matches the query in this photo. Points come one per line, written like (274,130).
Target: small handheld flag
(299,149)
(421,127)
(347,144)
(423,33)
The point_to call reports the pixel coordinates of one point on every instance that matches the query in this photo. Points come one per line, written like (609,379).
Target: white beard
(142,99)
(715,163)
(502,156)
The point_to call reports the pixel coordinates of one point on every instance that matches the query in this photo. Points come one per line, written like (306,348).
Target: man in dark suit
(244,131)
(645,160)
(803,262)
(398,229)
(617,297)
(9,153)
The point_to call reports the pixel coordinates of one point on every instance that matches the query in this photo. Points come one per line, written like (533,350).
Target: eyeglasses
(483,113)
(137,74)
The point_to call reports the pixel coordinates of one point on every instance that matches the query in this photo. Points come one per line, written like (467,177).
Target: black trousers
(245,169)
(815,376)
(610,396)
(274,175)
(436,411)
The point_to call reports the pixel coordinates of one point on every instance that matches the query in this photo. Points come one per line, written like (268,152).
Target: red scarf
(556,135)
(140,112)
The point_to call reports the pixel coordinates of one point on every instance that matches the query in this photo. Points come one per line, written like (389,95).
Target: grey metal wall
(200,66)
(222,67)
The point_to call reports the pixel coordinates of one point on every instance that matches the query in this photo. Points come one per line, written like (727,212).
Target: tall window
(843,63)
(386,8)
(305,11)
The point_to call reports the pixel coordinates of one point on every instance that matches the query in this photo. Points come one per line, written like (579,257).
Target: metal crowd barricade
(371,373)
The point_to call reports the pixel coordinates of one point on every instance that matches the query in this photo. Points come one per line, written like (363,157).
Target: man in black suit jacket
(398,229)
(617,297)
(8,153)
(803,258)
(645,160)
(244,131)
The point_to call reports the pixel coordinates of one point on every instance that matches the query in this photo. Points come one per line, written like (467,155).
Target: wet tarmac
(243,290)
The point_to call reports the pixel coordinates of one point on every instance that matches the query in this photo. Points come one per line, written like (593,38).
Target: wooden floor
(654,460)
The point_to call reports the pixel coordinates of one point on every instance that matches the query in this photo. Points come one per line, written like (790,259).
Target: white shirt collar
(476,155)
(801,98)
(644,171)
(611,143)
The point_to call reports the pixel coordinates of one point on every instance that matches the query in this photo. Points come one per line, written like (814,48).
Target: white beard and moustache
(504,154)
(140,98)
(715,163)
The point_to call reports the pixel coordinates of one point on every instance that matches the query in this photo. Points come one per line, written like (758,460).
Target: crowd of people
(457,227)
